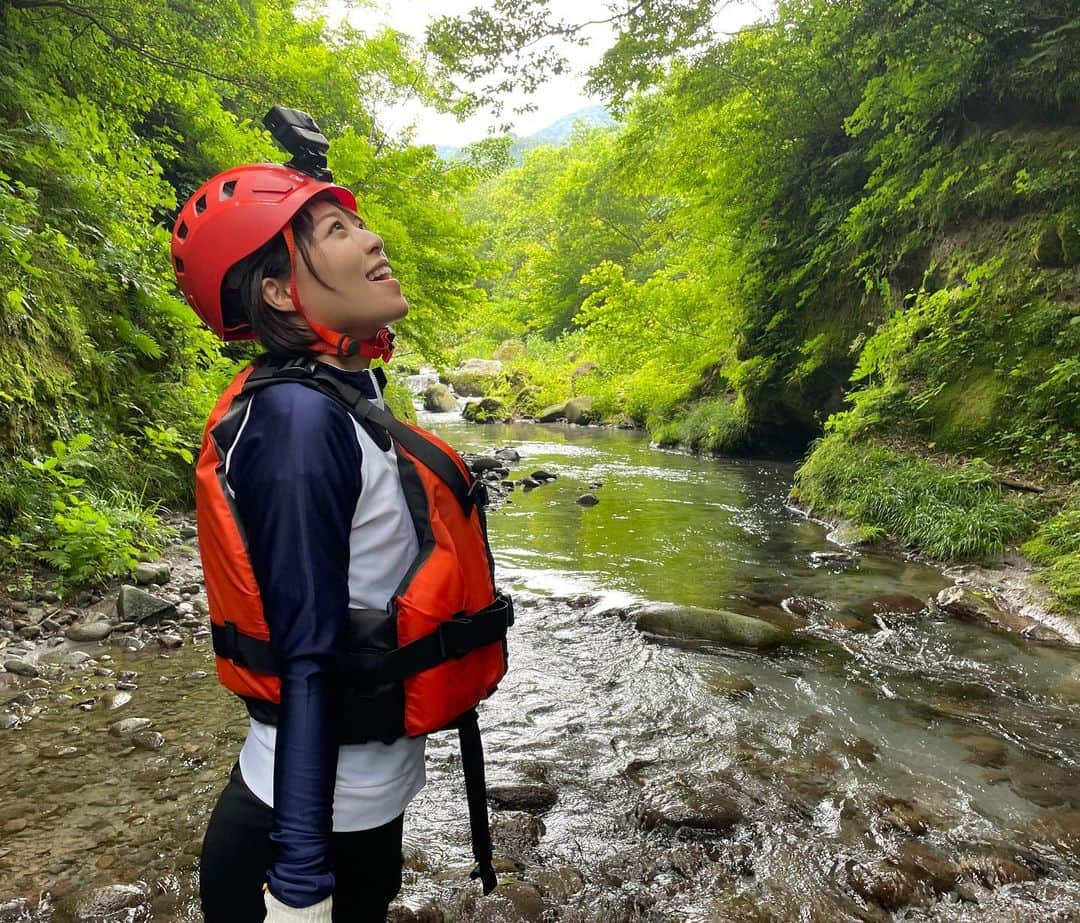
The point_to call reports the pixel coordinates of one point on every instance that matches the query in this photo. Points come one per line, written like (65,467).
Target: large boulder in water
(552,413)
(474,377)
(487,410)
(716,625)
(439,399)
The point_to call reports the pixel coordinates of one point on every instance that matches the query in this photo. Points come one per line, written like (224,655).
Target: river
(892,764)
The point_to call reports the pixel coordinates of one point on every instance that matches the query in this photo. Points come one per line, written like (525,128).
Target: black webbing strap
(472,762)
(310,373)
(452,639)
(243,650)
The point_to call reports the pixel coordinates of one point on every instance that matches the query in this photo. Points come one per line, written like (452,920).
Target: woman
(314,556)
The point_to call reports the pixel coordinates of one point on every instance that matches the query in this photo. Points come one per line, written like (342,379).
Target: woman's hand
(277,912)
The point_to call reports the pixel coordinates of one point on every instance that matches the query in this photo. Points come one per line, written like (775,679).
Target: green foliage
(62,519)
(946,511)
(1057,546)
(718,425)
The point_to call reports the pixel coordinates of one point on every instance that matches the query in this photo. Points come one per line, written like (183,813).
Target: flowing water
(893,763)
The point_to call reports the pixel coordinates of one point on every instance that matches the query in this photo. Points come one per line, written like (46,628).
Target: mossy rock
(552,413)
(580,410)
(1069,234)
(716,625)
(524,401)
(475,377)
(439,399)
(510,349)
(1048,249)
(487,410)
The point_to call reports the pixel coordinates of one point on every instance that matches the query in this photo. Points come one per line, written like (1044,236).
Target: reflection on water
(841,764)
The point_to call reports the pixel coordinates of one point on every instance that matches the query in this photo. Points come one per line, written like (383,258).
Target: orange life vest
(437,650)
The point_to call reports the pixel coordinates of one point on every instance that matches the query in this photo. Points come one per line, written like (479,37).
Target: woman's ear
(276,294)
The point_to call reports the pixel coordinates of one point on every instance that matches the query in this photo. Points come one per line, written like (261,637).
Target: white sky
(558,97)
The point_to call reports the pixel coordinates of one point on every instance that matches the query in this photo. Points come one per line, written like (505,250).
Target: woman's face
(360,296)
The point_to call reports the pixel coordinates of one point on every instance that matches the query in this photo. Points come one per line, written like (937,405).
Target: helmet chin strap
(332,343)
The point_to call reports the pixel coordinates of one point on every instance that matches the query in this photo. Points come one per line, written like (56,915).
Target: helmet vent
(181,231)
(179,264)
(200,205)
(227,189)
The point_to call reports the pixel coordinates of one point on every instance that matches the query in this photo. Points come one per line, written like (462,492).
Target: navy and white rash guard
(327,528)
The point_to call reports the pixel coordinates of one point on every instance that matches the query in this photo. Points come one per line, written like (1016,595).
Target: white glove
(277,912)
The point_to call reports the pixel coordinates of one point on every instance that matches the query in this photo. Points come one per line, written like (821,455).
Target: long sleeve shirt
(327,529)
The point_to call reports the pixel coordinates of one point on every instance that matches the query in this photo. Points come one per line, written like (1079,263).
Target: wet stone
(994,871)
(535,799)
(707,807)
(9,722)
(858,747)
(516,831)
(730,685)
(884,884)
(114,700)
(21,668)
(58,753)
(587,500)
(1058,829)
(150,572)
(128,726)
(559,884)
(542,477)
(148,740)
(984,750)
(126,902)
(135,605)
(16,910)
(927,865)
(512,902)
(86,632)
(170,642)
(196,674)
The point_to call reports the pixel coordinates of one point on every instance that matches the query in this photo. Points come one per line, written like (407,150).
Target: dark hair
(281,333)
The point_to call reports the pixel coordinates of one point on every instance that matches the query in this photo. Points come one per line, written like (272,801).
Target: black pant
(237,851)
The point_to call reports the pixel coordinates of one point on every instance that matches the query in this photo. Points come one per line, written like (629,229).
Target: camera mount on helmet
(297,132)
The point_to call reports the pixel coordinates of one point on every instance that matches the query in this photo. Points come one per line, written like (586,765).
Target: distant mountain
(555,134)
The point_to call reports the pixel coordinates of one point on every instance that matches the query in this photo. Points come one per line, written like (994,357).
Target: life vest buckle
(478,493)
(455,638)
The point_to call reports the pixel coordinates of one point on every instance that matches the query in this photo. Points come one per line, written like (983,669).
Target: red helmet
(229,218)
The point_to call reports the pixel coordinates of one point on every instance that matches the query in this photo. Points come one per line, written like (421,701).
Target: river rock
(580,410)
(129,903)
(89,631)
(551,413)
(1059,830)
(474,377)
(902,603)
(971,606)
(707,807)
(516,831)
(512,902)
(508,455)
(715,625)
(994,871)
(559,884)
(983,750)
(9,722)
(587,500)
(21,668)
(481,463)
(150,572)
(543,477)
(885,884)
(927,865)
(138,606)
(536,799)
(114,700)
(148,740)
(730,685)
(125,727)
(846,532)
(75,659)
(170,641)
(438,398)
(487,410)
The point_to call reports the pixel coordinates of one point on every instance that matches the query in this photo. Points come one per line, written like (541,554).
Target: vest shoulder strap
(469,492)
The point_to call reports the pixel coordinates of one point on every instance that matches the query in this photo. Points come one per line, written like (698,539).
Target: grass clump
(948,512)
(1057,546)
(716,424)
